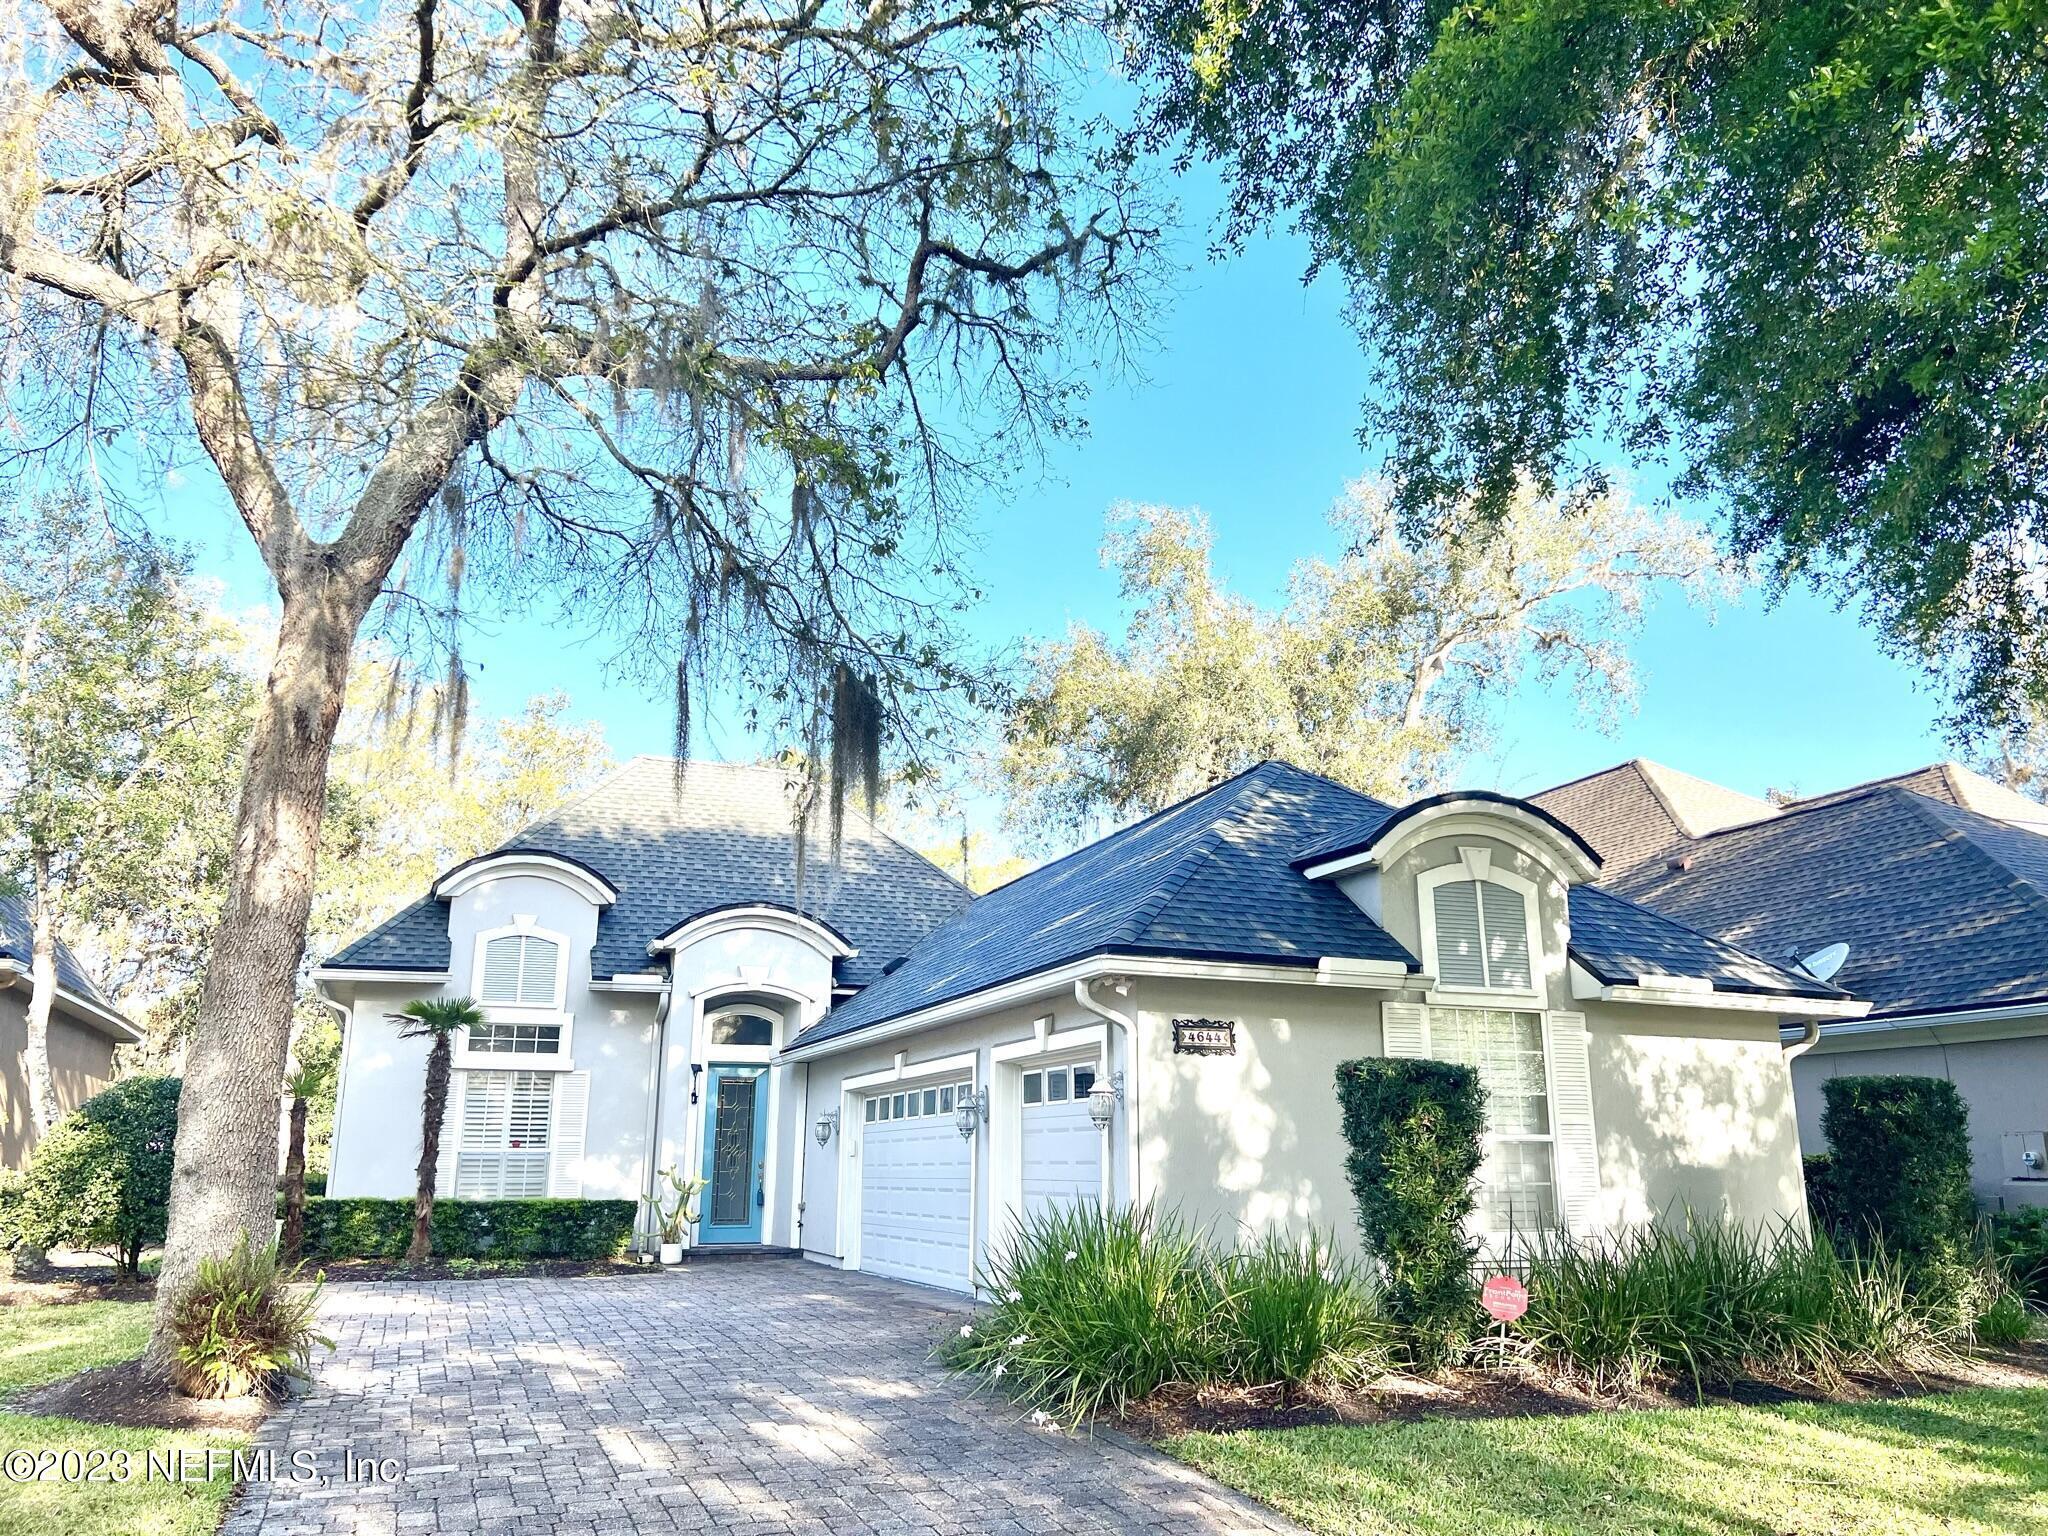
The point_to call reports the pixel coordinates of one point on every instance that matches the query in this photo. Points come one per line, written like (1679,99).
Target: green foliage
(1712,1303)
(123,713)
(1297,1313)
(1378,671)
(244,1324)
(1799,247)
(1414,1130)
(1094,1311)
(1900,1150)
(1818,1169)
(102,1178)
(472,1229)
(428,1018)
(2019,1239)
(2007,1321)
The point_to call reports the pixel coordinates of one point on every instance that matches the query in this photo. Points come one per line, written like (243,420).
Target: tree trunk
(42,981)
(224,1169)
(433,1113)
(295,1183)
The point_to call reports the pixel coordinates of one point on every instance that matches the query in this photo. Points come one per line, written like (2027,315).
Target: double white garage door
(916,1182)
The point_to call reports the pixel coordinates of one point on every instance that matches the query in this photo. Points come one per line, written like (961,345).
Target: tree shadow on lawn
(1974,1461)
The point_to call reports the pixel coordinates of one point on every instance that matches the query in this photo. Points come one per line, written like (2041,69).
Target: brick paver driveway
(742,1397)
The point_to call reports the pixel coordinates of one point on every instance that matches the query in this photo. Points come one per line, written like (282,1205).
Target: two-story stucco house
(84,1030)
(885,1075)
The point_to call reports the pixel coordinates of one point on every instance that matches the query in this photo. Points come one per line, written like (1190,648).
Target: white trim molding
(763,917)
(370,973)
(1700,992)
(1513,824)
(1061,978)
(465,878)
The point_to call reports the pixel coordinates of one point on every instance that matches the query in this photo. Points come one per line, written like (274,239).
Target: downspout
(803,1156)
(1808,1038)
(1084,995)
(345,1016)
(653,1132)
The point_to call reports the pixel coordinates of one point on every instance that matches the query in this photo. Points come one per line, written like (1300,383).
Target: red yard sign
(1504,1297)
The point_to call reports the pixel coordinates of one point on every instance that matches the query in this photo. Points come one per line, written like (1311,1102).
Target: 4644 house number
(1205,1037)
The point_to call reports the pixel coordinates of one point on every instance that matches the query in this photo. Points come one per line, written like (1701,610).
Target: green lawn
(39,1344)
(1967,1463)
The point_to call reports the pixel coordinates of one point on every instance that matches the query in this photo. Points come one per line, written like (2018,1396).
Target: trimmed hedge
(472,1229)
(1899,1164)
(2020,1240)
(1414,1129)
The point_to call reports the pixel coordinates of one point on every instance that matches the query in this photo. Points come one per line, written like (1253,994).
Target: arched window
(521,970)
(742,1029)
(1482,935)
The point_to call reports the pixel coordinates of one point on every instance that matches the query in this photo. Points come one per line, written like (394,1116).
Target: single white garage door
(1062,1154)
(914,1188)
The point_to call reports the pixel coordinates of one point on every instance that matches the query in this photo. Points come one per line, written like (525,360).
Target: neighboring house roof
(1214,878)
(1639,809)
(1941,907)
(15,935)
(1956,785)
(722,839)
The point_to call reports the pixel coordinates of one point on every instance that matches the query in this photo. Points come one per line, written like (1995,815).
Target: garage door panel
(1062,1158)
(914,1201)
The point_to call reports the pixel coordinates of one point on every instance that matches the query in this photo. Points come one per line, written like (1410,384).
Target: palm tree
(436,1019)
(303,1084)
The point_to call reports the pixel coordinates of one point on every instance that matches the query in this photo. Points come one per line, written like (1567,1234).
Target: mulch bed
(43,1291)
(1520,1392)
(480,1269)
(125,1395)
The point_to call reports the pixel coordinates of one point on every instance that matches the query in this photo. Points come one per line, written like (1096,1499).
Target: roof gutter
(1889,1023)
(1809,1036)
(1375,975)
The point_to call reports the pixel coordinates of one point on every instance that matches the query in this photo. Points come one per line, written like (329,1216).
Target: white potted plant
(679,1215)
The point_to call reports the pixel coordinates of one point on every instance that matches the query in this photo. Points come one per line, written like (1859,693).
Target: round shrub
(101,1179)
(1414,1129)
(1899,1165)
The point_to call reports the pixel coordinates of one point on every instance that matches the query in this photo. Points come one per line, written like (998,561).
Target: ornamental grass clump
(1709,1303)
(1295,1313)
(244,1325)
(1092,1311)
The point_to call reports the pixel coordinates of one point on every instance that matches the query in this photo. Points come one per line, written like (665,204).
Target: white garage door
(914,1188)
(1062,1153)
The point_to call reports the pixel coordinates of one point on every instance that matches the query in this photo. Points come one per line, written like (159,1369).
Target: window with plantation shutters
(1482,936)
(520,970)
(506,1121)
(1518,1186)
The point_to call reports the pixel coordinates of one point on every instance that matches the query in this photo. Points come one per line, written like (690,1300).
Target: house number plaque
(1205,1037)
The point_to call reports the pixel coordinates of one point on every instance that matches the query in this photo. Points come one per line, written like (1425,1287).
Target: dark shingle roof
(1621,943)
(15,932)
(725,840)
(1216,877)
(1941,907)
(1638,810)
(1208,878)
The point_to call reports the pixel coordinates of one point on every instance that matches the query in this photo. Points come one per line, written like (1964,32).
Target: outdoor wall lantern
(969,1110)
(1103,1099)
(828,1122)
(696,1071)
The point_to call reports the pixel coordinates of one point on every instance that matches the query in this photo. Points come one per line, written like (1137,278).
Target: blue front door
(735,1155)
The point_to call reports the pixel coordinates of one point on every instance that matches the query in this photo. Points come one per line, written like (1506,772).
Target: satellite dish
(1822,964)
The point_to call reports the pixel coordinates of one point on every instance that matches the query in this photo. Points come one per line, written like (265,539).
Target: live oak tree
(1379,670)
(707,320)
(1800,247)
(121,713)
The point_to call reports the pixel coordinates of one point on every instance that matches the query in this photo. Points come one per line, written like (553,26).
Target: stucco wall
(1692,1108)
(81,1064)
(1251,1141)
(2004,1082)
(377,1119)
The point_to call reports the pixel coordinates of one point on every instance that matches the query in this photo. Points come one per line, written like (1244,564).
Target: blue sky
(1250,410)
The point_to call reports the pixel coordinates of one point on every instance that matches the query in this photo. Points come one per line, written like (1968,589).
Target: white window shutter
(565,1149)
(537,971)
(500,982)
(1404,1029)
(1460,955)
(1571,1112)
(1507,935)
(452,1124)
